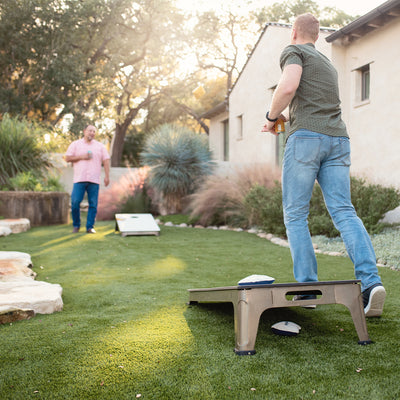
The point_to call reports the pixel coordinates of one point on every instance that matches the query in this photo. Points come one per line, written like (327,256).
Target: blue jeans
(78,192)
(311,156)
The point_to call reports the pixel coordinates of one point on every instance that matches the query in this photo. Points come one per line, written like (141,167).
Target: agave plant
(20,150)
(179,159)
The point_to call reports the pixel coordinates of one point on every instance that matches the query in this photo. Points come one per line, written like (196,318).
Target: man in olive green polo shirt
(318,148)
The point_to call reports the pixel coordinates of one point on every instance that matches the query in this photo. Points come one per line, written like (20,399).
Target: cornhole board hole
(250,301)
(136,225)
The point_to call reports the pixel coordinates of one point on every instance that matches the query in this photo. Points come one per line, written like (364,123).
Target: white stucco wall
(216,136)
(250,98)
(252,94)
(373,125)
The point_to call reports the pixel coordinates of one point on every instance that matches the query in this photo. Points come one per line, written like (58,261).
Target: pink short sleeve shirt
(88,170)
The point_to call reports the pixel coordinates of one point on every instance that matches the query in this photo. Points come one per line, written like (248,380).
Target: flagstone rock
(21,297)
(15,264)
(22,293)
(16,225)
(5,231)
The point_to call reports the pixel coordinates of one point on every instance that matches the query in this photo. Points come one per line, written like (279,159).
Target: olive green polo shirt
(316,104)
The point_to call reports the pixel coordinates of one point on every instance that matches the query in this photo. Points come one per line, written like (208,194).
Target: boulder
(5,231)
(17,225)
(22,293)
(21,297)
(15,264)
(392,217)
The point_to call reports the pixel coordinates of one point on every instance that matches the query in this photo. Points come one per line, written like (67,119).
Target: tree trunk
(117,144)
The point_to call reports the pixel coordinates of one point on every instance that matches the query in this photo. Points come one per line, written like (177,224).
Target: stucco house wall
(216,137)
(373,124)
(249,100)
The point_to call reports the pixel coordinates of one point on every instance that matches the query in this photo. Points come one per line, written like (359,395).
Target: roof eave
(376,18)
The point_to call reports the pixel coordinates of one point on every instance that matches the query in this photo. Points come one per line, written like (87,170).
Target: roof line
(268,24)
(363,20)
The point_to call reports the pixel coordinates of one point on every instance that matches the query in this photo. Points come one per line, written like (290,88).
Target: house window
(364,82)
(362,85)
(240,127)
(226,140)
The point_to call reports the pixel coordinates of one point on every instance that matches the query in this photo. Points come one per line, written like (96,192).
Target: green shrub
(138,202)
(20,148)
(30,181)
(264,208)
(252,196)
(372,202)
(179,159)
(25,181)
(319,220)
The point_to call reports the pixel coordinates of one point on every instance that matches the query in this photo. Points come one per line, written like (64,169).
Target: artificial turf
(126,331)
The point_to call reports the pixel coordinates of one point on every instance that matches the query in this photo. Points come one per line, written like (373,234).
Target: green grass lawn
(126,330)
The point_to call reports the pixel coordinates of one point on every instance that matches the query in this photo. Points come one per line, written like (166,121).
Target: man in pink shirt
(87,155)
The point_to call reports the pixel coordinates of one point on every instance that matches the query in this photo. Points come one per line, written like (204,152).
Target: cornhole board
(249,302)
(136,224)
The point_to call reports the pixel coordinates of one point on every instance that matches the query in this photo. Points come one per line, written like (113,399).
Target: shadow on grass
(326,323)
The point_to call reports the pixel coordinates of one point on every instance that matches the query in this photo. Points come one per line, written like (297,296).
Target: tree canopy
(121,63)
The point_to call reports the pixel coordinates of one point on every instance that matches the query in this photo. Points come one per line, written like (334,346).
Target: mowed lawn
(126,331)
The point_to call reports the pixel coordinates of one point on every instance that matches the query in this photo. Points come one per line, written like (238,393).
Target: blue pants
(311,156)
(77,195)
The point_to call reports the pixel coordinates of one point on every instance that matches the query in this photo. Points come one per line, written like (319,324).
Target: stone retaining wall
(41,208)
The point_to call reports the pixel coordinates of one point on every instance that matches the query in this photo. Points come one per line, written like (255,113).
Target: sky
(352,7)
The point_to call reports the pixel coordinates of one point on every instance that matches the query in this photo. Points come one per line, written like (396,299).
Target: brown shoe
(91,230)
(75,230)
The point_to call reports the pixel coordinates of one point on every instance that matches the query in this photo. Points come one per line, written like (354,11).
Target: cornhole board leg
(249,302)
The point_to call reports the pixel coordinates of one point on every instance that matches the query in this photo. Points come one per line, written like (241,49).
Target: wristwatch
(270,119)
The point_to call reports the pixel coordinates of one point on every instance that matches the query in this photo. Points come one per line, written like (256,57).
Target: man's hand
(270,126)
(106,181)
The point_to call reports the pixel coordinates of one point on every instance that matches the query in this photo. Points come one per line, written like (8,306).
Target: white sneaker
(374,298)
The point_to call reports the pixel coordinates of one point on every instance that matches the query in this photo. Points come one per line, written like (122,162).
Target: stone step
(21,297)
(16,225)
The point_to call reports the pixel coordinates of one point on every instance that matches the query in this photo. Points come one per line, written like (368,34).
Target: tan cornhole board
(249,302)
(136,224)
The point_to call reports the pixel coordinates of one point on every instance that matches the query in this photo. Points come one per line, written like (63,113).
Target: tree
(287,11)
(144,57)
(51,54)
(220,43)
(92,59)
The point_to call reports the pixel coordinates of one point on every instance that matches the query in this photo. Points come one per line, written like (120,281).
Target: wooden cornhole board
(136,224)
(249,302)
